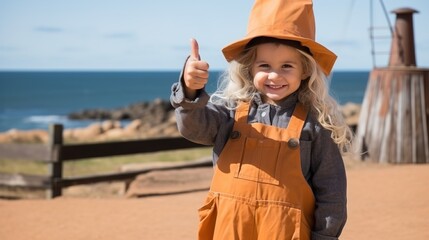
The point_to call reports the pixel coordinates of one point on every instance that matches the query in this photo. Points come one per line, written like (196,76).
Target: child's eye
(286,66)
(263,65)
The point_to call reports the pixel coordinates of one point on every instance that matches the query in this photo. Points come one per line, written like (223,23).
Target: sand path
(385,202)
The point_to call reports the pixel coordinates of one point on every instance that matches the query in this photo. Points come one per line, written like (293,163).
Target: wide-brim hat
(283,19)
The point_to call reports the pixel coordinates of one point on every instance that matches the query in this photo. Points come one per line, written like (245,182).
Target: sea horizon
(34,99)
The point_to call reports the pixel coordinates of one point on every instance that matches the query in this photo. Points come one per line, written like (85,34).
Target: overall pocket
(259,161)
(280,221)
(207,215)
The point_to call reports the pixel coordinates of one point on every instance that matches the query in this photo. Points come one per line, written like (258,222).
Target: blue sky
(154,35)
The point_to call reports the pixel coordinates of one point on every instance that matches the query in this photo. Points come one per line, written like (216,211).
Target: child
(277,134)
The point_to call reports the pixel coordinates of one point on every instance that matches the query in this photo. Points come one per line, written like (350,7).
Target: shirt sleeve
(329,186)
(197,120)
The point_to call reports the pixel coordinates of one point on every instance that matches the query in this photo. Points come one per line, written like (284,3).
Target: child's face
(277,71)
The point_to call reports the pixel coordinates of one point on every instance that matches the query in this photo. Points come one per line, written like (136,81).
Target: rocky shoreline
(148,120)
(155,111)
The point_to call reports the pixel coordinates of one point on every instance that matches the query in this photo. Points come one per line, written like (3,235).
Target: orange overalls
(258,190)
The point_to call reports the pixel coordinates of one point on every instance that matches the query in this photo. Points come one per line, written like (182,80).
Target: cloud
(48,29)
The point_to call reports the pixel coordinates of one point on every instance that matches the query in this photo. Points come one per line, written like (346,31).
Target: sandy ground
(385,202)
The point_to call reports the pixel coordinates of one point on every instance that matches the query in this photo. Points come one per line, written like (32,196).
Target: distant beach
(33,100)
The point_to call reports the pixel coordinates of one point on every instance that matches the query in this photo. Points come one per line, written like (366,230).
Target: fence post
(56,163)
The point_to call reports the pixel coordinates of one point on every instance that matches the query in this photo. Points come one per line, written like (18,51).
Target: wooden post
(56,163)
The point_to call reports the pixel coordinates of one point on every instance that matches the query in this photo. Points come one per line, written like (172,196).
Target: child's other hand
(196,71)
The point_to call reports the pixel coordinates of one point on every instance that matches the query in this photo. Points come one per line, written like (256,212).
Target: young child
(276,132)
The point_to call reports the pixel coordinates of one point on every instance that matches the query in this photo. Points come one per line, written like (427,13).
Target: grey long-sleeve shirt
(322,165)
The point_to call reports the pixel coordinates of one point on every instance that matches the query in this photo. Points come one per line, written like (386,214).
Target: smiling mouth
(275,86)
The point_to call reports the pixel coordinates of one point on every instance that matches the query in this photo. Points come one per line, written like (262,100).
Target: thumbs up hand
(196,72)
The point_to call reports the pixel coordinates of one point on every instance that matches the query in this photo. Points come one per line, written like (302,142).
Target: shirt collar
(288,102)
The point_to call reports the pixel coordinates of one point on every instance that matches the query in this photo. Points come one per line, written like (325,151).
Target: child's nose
(273,75)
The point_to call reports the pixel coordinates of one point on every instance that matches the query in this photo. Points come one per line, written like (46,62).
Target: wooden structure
(394,121)
(56,153)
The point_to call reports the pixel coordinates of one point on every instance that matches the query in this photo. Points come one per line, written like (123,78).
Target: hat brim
(323,56)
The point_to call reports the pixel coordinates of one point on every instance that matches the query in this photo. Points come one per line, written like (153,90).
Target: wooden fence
(56,153)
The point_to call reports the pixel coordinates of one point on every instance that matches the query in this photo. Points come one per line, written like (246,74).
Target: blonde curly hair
(236,84)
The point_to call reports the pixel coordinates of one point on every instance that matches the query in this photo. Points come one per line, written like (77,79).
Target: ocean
(35,99)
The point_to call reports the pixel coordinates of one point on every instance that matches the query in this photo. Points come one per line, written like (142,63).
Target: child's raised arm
(196,72)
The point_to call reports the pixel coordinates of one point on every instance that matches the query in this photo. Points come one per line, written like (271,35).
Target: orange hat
(284,19)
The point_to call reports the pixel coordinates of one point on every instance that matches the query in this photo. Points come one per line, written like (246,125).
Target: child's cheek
(260,78)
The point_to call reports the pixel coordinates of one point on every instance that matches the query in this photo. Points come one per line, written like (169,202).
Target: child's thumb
(195,50)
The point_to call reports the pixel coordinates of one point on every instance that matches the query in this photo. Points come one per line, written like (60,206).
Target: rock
(107,125)
(5,138)
(117,124)
(351,113)
(68,134)
(350,109)
(120,115)
(172,118)
(82,134)
(171,131)
(116,133)
(157,108)
(90,114)
(149,120)
(110,124)
(134,126)
(30,136)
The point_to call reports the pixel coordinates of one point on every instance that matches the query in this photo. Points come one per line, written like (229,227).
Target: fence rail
(56,153)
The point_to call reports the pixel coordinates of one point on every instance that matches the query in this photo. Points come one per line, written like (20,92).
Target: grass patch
(23,166)
(95,166)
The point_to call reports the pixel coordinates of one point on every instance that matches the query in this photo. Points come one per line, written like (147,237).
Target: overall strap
(293,129)
(297,120)
(241,112)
